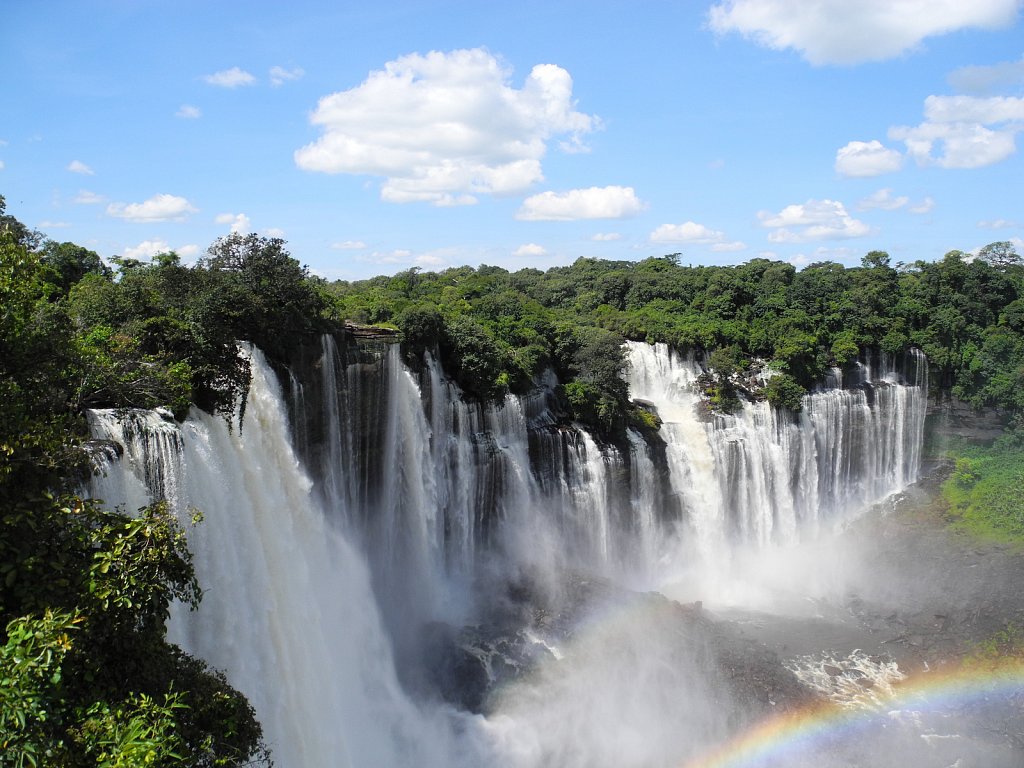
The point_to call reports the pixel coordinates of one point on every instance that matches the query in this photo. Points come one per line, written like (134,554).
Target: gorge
(397,575)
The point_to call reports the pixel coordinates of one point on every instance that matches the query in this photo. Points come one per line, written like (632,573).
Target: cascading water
(403,502)
(288,612)
(759,476)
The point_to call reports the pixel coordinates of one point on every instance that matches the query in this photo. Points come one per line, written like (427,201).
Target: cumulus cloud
(85,197)
(188,112)
(844,32)
(813,220)
(77,166)
(688,232)
(530,249)
(274,232)
(54,224)
(697,234)
(884,200)
(189,251)
(605,237)
(998,224)
(157,208)
(348,245)
(147,249)
(964,131)
(446,127)
(230,78)
(239,221)
(591,203)
(984,81)
(923,207)
(729,247)
(867,158)
(280,75)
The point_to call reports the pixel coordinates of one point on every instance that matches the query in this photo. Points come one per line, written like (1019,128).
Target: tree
(86,675)
(69,263)
(277,301)
(1001,255)
(22,235)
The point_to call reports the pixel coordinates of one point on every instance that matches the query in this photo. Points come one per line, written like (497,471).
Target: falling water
(402,501)
(760,476)
(288,612)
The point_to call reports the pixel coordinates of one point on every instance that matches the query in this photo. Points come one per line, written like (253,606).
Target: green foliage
(86,675)
(68,263)
(985,491)
(783,391)
(964,314)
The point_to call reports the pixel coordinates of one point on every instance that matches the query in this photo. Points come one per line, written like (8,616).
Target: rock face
(532,633)
(950,417)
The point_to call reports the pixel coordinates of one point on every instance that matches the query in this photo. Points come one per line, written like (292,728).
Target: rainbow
(778,740)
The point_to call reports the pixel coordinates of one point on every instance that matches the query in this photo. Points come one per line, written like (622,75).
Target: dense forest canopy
(962,311)
(86,675)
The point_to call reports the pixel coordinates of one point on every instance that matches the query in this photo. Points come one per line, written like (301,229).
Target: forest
(86,674)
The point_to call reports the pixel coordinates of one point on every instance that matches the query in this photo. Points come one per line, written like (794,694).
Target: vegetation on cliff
(966,313)
(985,490)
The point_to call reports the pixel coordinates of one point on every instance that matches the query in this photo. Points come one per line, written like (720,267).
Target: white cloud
(274,232)
(956,132)
(85,197)
(813,220)
(698,234)
(606,237)
(280,75)
(983,81)
(188,112)
(688,232)
(959,145)
(430,259)
(884,200)
(230,78)
(54,224)
(867,158)
(924,206)
(530,249)
(189,251)
(591,203)
(77,166)
(998,224)
(445,127)
(973,109)
(2,166)
(348,245)
(729,247)
(844,32)
(239,221)
(147,249)
(396,256)
(157,208)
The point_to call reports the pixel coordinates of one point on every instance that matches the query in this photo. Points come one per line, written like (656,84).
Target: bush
(783,391)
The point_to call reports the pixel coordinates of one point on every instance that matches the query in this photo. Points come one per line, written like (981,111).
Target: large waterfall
(363,506)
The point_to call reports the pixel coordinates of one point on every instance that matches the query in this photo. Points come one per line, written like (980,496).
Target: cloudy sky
(374,137)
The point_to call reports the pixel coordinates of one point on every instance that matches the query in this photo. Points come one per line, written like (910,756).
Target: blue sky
(375,137)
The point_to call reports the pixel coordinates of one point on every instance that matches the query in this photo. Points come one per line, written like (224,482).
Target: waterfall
(759,476)
(288,612)
(390,503)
